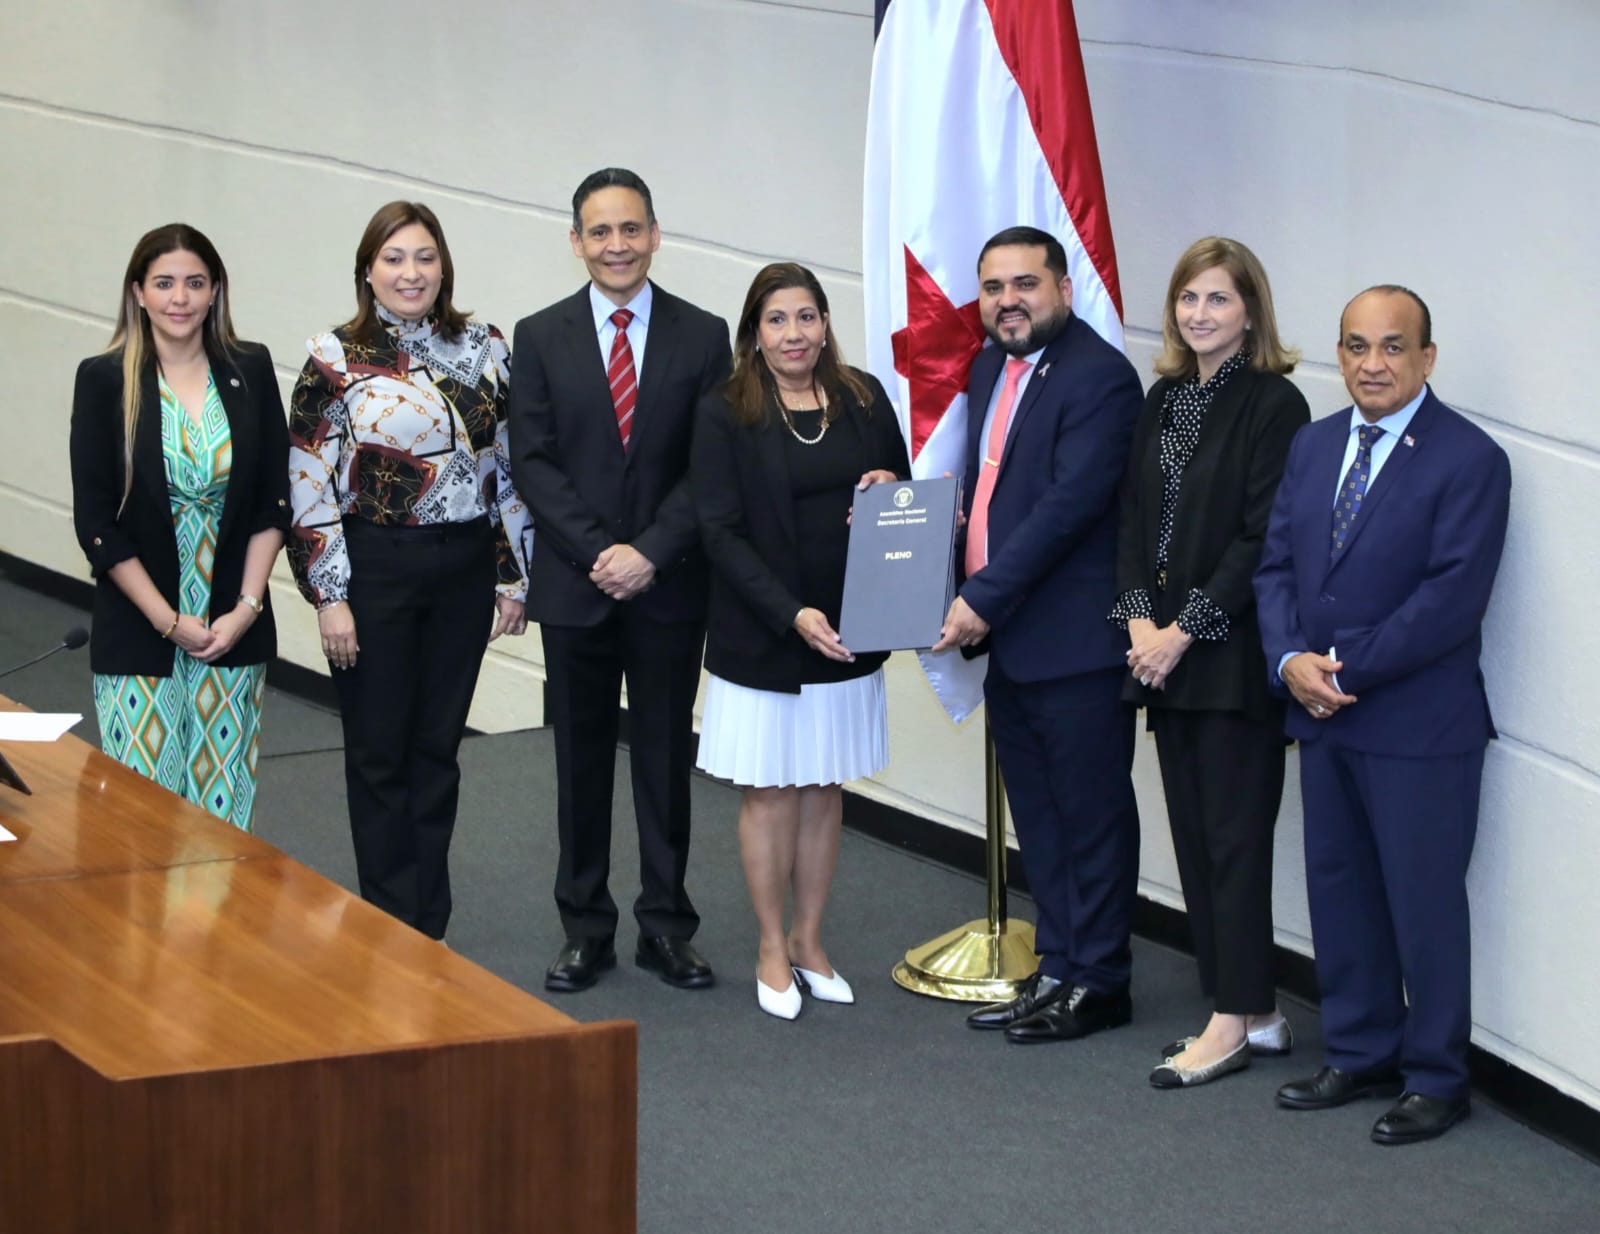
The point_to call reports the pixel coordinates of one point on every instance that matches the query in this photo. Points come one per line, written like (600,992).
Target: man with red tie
(1051,412)
(604,385)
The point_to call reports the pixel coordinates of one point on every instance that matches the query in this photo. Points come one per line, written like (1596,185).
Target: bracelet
(250,602)
(167,633)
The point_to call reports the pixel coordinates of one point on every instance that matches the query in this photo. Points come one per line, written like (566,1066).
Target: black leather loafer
(675,961)
(1331,1087)
(579,963)
(1037,992)
(1416,1117)
(1079,1013)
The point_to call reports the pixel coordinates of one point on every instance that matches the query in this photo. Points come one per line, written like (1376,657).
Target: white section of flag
(952,158)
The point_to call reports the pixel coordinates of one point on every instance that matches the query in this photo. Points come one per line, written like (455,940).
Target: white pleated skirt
(826,734)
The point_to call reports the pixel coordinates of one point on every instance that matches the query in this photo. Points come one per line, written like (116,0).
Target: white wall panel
(1454,147)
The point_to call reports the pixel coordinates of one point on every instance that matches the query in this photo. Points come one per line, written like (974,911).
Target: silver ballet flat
(1172,1074)
(1274,1038)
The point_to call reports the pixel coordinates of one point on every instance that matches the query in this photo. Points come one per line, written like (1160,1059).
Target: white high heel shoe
(834,989)
(785,1004)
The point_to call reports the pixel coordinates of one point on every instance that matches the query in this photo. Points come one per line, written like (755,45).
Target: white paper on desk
(35,726)
(5,835)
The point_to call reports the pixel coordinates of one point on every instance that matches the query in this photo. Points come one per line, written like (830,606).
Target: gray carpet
(888,1115)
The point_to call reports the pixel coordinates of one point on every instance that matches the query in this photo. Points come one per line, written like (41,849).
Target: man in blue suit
(1051,413)
(1380,557)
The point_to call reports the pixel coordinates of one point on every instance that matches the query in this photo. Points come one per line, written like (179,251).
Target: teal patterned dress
(196,732)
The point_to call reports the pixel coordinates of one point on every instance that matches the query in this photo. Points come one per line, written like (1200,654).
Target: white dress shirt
(638,328)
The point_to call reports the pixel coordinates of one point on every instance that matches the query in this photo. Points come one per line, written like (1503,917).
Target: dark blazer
(123,641)
(1220,521)
(742,493)
(584,492)
(1051,577)
(1404,604)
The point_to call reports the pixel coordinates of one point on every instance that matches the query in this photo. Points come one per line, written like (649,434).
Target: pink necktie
(989,468)
(619,372)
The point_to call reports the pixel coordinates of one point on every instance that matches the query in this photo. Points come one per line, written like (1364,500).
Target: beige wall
(1441,146)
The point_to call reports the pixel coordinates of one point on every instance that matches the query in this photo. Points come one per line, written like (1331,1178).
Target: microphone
(70,641)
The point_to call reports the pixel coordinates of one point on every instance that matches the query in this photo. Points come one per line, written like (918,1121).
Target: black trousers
(584,670)
(1066,751)
(423,601)
(1223,778)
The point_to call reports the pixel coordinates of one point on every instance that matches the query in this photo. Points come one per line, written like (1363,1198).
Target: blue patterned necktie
(1354,487)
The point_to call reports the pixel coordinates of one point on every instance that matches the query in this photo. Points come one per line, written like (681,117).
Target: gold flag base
(974,963)
(984,961)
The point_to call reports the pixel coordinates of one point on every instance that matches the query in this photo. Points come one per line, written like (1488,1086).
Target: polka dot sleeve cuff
(1202,619)
(1131,604)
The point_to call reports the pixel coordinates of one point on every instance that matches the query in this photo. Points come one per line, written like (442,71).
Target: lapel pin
(234,382)
(1410,440)
(1044,369)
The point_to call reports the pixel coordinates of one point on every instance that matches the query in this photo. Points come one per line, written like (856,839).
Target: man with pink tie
(1051,413)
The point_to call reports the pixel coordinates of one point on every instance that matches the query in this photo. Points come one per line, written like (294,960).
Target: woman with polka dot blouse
(1207,456)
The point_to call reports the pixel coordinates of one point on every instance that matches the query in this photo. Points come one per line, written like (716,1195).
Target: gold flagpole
(985,960)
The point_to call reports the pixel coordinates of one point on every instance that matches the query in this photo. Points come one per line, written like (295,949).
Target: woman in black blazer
(790,713)
(1207,456)
(182,529)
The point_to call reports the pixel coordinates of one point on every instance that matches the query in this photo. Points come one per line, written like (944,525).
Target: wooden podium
(199,1035)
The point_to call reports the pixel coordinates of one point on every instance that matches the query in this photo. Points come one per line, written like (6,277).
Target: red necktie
(619,373)
(989,468)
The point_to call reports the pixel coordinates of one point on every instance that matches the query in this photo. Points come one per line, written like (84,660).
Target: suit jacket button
(97,541)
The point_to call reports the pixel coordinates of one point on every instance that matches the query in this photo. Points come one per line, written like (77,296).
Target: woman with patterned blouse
(180,503)
(411,542)
(1207,456)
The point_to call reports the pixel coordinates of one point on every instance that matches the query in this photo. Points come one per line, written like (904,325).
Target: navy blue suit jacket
(1051,577)
(1404,604)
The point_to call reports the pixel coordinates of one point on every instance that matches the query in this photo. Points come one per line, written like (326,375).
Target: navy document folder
(899,576)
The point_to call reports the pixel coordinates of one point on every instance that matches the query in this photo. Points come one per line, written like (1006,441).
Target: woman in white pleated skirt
(790,713)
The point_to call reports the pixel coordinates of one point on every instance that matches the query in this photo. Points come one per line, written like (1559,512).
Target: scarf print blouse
(403,428)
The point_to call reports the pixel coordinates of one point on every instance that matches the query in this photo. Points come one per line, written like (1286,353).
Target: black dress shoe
(1077,1014)
(1037,992)
(579,963)
(1416,1117)
(675,961)
(1331,1087)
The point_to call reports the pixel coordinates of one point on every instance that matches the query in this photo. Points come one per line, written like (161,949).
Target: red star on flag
(935,349)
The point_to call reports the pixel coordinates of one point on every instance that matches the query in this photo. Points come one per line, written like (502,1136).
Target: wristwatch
(251,601)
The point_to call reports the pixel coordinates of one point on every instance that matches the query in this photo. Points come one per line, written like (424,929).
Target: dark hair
(750,389)
(611,178)
(388,220)
(1055,257)
(1395,289)
(131,336)
(1267,352)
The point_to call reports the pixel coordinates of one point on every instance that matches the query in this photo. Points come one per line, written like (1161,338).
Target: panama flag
(978,120)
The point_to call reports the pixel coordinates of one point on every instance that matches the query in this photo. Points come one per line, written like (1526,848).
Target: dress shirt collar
(639,306)
(1395,422)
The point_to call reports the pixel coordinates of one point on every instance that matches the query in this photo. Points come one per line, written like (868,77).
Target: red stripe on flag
(1038,40)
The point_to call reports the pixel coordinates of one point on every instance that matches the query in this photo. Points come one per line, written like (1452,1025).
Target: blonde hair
(1267,351)
(132,338)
